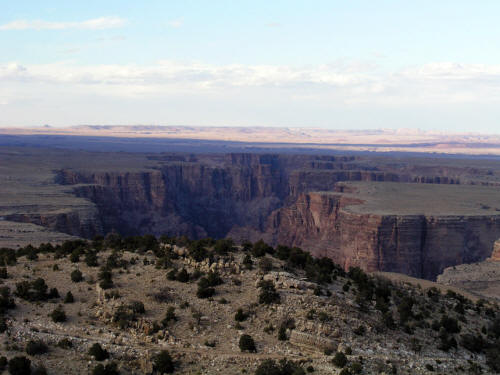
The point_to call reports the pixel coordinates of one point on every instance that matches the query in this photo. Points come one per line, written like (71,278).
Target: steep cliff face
(234,193)
(253,196)
(415,245)
(193,199)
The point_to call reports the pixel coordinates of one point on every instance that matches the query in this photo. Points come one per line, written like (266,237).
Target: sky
(351,64)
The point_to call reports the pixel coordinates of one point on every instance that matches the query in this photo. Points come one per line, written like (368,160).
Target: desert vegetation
(168,298)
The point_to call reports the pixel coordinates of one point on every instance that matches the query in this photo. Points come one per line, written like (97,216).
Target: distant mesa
(378,140)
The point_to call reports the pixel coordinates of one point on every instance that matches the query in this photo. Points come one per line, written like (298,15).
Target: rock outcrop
(416,245)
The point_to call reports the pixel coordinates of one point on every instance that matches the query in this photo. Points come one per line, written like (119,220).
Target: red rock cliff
(252,196)
(415,245)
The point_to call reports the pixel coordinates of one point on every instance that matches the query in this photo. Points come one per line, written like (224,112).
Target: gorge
(379,213)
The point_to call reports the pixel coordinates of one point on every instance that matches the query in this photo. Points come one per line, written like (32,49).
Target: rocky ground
(481,279)
(309,325)
(14,235)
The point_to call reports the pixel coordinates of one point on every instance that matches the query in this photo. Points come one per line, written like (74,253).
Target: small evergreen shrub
(265,264)
(169,316)
(247,344)
(247,262)
(19,366)
(106,278)
(69,298)
(91,259)
(268,293)
(137,307)
(58,315)
(360,330)
(240,316)
(39,370)
(108,369)
(282,333)
(76,276)
(182,276)
(3,363)
(36,347)
(339,360)
(65,343)
(172,275)
(98,352)
(163,363)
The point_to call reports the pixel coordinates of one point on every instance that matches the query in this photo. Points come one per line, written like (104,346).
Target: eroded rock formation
(281,199)
(416,245)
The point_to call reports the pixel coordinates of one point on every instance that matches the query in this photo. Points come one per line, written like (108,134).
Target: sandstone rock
(409,244)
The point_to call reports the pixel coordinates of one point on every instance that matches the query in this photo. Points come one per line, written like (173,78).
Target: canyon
(415,216)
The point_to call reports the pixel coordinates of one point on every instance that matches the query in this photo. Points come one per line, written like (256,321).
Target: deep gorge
(282,199)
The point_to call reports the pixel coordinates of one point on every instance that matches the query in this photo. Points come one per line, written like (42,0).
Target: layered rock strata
(416,245)
(251,196)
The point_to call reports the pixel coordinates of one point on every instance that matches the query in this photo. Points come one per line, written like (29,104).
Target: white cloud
(167,75)
(90,24)
(454,71)
(343,83)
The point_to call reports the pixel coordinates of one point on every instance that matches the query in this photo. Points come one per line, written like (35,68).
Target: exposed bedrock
(249,196)
(415,245)
(199,199)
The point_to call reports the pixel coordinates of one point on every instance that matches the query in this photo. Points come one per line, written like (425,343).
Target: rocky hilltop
(141,305)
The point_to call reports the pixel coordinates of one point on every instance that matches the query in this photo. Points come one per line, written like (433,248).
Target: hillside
(196,300)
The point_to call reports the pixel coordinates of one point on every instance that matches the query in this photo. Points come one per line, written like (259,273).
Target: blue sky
(433,65)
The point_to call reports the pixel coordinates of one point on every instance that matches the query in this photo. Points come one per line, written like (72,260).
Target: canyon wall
(416,245)
(206,199)
(252,196)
